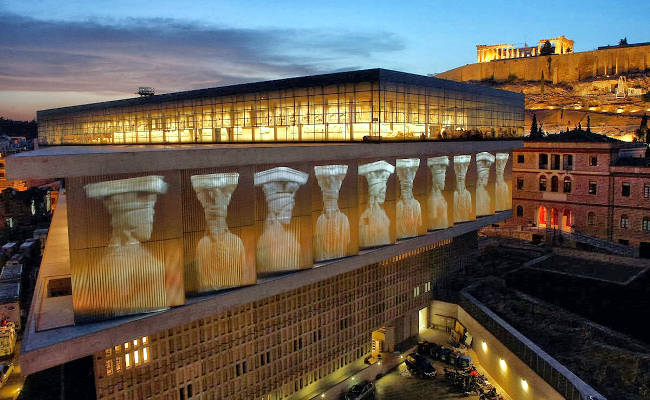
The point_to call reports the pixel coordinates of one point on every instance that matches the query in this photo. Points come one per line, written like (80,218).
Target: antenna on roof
(145,91)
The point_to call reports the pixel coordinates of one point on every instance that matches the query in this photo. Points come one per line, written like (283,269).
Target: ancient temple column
(462,197)
(409,213)
(374,224)
(503,200)
(436,202)
(220,256)
(128,274)
(278,249)
(332,232)
(484,161)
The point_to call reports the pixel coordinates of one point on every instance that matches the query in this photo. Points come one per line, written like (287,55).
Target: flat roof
(9,292)
(366,75)
(11,272)
(72,161)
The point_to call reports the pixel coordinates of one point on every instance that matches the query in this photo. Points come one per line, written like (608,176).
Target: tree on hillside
(588,124)
(546,49)
(18,128)
(642,134)
(541,83)
(623,42)
(533,127)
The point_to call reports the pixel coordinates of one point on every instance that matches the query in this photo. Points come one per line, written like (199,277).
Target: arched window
(646,224)
(541,217)
(554,218)
(567,184)
(591,218)
(520,212)
(554,184)
(625,222)
(542,183)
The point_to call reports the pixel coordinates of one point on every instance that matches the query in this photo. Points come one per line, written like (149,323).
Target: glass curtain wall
(342,112)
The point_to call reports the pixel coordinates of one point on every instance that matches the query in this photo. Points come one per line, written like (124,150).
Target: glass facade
(295,110)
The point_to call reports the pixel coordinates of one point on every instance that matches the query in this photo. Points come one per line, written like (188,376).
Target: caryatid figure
(462,197)
(437,204)
(128,279)
(409,213)
(332,234)
(484,161)
(374,225)
(502,198)
(278,249)
(220,255)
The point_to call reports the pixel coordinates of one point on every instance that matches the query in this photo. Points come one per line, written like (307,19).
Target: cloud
(92,56)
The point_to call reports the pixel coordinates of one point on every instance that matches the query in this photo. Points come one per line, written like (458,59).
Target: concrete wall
(558,68)
(510,379)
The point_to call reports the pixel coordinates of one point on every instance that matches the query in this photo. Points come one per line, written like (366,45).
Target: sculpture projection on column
(484,161)
(220,254)
(374,224)
(128,278)
(409,212)
(436,203)
(462,197)
(332,233)
(278,249)
(503,199)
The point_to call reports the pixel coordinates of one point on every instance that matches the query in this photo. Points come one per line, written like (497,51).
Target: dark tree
(642,134)
(533,127)
(588,124)
(623,42)
(18,128)
(547,49)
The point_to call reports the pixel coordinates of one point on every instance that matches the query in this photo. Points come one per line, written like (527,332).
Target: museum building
(246,241)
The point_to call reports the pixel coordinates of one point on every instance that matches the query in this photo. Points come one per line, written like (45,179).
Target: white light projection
(437,204)
(128,275)
(462,196)
(502,198)
(220,254)
(409,212)
(278,249)
(484,161)
(374,224)
(332,233)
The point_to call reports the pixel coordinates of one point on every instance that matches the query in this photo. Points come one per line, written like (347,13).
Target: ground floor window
(520,211)
(646,224)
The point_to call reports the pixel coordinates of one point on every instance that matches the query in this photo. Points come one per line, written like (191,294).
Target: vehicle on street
(6,368)
(361,391)
(419,365)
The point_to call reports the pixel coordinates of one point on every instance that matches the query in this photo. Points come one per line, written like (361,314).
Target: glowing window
(136,357)
(126,346)
(109,367)
(127,360)
(144,340)
(145,354)
(135,342)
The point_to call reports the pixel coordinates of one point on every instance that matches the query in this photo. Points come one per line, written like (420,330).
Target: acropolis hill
(607,84)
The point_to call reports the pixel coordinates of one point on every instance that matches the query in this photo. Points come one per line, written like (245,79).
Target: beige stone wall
(558,68)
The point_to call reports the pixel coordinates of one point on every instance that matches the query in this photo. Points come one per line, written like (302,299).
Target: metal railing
(552,371)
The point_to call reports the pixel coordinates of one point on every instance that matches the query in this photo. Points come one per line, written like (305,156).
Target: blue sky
(57,53)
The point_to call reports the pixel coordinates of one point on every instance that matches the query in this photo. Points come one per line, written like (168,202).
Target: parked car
(361,391)
(5,372)
(418,365)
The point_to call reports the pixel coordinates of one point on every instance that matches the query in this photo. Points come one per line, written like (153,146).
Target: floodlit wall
(340,112)
(147,241)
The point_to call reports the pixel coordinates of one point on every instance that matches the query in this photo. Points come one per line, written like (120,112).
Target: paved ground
(398,384)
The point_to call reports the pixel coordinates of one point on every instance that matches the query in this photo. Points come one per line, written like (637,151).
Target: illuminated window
(118,349)
(109,367)
(144,340)
(145,354)
(136,357)
(127,360)
(135,342)
(126,346)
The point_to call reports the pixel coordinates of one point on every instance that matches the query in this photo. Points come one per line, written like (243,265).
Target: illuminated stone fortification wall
(561,68)
(272,348)
(341,112)
(144,242)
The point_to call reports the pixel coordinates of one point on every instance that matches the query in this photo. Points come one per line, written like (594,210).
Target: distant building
(585,183)
(487,53)
(10,302)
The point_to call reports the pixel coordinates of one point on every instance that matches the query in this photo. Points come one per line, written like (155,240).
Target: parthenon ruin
(486,53)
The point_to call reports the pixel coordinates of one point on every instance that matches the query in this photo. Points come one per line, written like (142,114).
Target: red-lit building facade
(584,183)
